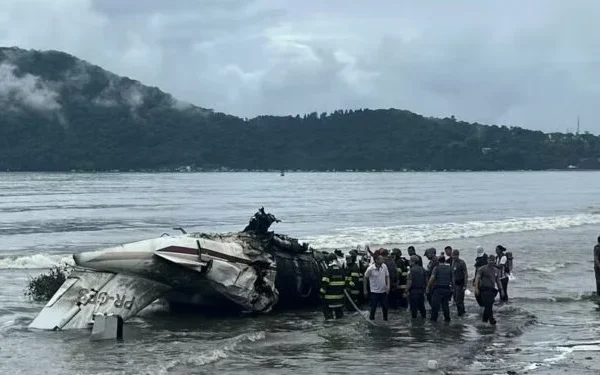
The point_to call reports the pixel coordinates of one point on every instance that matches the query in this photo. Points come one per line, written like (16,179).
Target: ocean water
(549,220)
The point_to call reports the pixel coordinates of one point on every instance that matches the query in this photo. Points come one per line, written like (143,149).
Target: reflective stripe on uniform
(337,283)
(355,274)
(335,306)
(334,296)
(325,279)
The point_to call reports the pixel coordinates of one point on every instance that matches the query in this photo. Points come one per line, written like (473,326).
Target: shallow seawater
(549,220)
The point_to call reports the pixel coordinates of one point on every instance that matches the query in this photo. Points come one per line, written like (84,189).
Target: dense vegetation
(42,287)
(99,121)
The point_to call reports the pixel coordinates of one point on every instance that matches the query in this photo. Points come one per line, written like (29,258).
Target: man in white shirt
(379,283)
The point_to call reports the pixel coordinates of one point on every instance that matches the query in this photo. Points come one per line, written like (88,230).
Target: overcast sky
(533,63)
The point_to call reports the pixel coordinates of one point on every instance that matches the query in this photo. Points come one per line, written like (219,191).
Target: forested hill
(59,113)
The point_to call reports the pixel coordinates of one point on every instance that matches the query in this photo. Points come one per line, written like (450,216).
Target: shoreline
(225,170)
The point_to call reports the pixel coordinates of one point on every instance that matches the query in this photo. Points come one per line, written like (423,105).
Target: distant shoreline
(159,171)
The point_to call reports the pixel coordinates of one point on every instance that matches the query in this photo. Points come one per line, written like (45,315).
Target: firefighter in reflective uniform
(333,285)
(402,268)
(354,281)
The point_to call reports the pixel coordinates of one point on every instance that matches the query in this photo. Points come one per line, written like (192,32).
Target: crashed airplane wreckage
(254,270)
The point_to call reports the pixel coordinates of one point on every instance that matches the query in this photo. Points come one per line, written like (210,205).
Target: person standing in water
(440,288)
(430,254)
(402,265)
(487,285)
(379,282)
(460,276)
(415,286)
(480,260)
(333,285)
(502,264)
(597,266)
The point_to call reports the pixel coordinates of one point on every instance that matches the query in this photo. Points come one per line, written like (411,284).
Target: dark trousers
(597,271)
(441,298)
(397,299)
(488,295)
(403,302)
(417,303)
(393,298)
(504,283)
(379,299)
(479,300)
(459,299)
(329,312)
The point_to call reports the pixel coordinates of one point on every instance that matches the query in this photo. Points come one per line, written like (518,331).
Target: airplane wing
(86,293)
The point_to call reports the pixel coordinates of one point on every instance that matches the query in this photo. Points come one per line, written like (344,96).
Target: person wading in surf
(480,260)
(430,254)
(379,282)
(440,288)
(487,285)
(393,300)
(502,264)
(415,286)
(460,276)
(597,266)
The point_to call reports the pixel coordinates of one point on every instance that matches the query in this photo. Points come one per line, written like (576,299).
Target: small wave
(591,296)
(548,268)
(209,356)
(423,233)
(37,261)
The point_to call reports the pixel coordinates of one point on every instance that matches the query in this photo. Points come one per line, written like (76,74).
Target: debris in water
(42,287)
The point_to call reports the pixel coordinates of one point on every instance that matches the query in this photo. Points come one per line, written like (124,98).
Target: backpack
(508,267)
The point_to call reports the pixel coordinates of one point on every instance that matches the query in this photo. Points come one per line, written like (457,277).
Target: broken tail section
(86,293)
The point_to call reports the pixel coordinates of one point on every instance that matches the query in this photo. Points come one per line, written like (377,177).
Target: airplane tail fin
(86,293)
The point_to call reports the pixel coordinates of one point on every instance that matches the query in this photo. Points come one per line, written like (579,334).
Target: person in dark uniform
(415,285)
(332,290)
(440,287)
(459,281)
(411,251)
(597,266)
(402,267)
(354,281)
(487,285)
(393,300)
(430,254)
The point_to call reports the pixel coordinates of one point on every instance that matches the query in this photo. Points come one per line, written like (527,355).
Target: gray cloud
(534,64)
